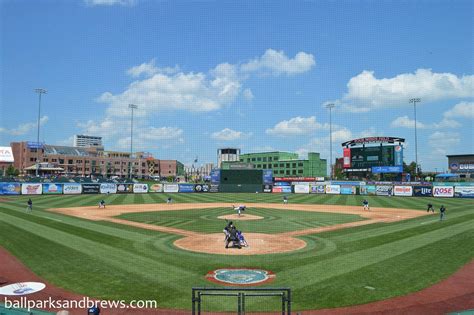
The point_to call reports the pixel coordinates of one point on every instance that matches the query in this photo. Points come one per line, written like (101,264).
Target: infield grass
(111,261)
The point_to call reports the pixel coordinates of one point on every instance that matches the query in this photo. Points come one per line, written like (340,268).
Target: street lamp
(39,91)
(330,106)
(132,107)
(414,101)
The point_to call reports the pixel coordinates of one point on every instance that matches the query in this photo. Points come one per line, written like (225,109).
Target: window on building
(300,171)
(61,161)
(45,160)
(143,164)
(54,160)
(264,166)
(259,159)
(300,164)
(87,161)
(282,165)
(69,161)
(275,158)
(253,159)
(86,169)
(287,172)
(169,172)
(264,159)
(78,161)
(287,165)
(293,165)
(294,172)
(32,150)
(32,159)
(248,159)
(275,165)
(241,160)
(269,159)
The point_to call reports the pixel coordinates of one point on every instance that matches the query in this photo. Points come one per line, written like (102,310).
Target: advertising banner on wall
(317,189)
(124,188)
(267,176)
(155,188)
(443,191)
(333,189)
(10,188)
(464,191)
(215,176)
(347,158)
(31,189)
(348,190)
(267,188)
(201,188)
(387,169)
(398,155)
(6,154)
(301,188)
(282,184)
(422,191)
(108,188)
(51,188)
(403,190)
(90,188)
(72,189)
(383,190)
(186,188)
(171,188)
(371,189)
(281,189)
(214,188)
(140,188)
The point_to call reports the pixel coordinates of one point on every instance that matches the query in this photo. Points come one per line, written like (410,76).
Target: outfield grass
(111,261)
(274,221)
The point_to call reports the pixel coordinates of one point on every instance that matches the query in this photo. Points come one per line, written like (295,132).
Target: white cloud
(405,122)
(163,133)
(248,95)
(462,110)
(149,68)
(276,63)
(106,128)
(229,135)
(24,128)
(127,3)
(443,142)
(296,126)
(366,92)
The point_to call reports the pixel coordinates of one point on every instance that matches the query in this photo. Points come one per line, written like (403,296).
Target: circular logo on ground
(22,288)
(240,276)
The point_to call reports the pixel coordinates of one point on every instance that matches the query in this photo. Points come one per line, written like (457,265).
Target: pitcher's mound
(242,217)
(259,244)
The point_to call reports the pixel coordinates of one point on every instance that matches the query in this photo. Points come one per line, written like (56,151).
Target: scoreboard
(368,157)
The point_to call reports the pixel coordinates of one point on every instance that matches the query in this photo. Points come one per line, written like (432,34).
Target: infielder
(365,203)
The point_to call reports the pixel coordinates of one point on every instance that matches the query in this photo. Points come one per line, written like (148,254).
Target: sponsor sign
(22,288)
(214,188)
(464,191)
(301,189)
(34,145)
(454,166)
(52,188)
(282,184)
(140,188)
(443,191)
(215,176)
(398,152)
(347,158)
(201,188)
(348,183)
(267,177)
(383,190)
(281,189)
(422,191)
(31,189)
(387,169)
(466,167)
(348,190)
(124,188)
(90,188)
(403,191)
(333,189)
(317,189)
(72,189)
(170,188)
(155,188)
(186,188)
(108,188)
(298,179)
(6,155)
(10,188)
(267,188)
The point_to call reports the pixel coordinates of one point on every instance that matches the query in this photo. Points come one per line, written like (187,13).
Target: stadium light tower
(330,106)
(414,101)
(132,107)
(39,91)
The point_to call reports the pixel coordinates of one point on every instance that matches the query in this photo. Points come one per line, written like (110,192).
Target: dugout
(241,181)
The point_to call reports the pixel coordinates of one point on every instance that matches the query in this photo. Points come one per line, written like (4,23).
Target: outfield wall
(416,189)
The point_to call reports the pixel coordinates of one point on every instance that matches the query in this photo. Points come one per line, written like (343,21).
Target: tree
(12,171)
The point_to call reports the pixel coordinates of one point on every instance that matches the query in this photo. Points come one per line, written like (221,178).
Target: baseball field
(324,247)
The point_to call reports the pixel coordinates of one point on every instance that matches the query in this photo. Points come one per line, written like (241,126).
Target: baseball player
(102,204)
(365,203)
(430,207)
(29,207)
(239,209)
(241,238)
(285,200)
(442,211)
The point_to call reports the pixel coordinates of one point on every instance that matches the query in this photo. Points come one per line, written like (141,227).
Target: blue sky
(249,74)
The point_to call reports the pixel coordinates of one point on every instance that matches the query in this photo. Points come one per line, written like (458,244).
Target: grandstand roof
(57,149)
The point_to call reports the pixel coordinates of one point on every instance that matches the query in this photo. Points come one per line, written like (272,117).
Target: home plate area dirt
(259,243)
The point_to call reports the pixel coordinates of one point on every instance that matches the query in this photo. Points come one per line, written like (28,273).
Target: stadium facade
(90,161)
(287,164)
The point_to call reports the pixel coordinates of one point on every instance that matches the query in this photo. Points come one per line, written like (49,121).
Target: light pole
(39,91)
(414,101)
(132,107)
(330,106)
